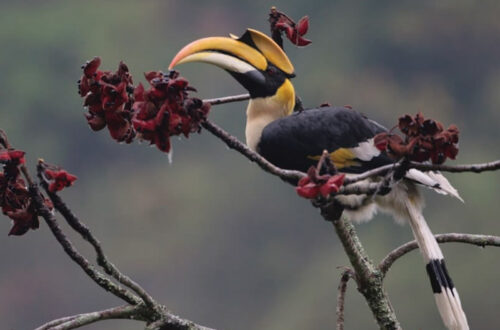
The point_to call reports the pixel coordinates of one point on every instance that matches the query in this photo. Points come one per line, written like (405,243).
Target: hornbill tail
(446,295)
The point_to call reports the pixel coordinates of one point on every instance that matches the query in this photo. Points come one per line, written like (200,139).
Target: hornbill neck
(263,110)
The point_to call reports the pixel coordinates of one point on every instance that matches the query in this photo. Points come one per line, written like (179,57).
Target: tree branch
(71,251)
(292,176)
(342,288)
(479,240)
(79,320)
(368,277)
(87,235)
(227,99)
(174,322)
(233,143)
(53,323)
(474,168)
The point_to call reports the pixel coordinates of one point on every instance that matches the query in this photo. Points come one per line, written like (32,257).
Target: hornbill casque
(295,140)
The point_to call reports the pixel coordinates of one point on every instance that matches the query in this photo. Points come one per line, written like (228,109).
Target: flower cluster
(280,22)
(154,115)
(314,185)
(15,199)
(165,109)
(424,139)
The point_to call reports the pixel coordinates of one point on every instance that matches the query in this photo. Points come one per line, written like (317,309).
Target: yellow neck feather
(263,110)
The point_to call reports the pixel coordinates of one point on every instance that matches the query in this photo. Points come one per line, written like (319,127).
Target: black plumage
(292,141)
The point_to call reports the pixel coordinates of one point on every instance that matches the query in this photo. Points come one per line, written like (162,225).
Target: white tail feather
(433,180)
(447,299)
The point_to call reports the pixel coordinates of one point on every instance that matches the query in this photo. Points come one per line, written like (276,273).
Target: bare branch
(368,277)
(479,240)
(71,251)
(227,99)
(53,323)
(79,320)
(233,143)
(346,275)
(475,168)
(173,322)
(87,235)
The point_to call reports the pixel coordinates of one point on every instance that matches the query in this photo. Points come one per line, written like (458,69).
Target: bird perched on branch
(296,140)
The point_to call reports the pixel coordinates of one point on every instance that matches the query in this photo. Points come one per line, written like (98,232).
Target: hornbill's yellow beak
(248,58)
(259,65)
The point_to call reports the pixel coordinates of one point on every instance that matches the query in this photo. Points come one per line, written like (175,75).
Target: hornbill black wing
(297,141)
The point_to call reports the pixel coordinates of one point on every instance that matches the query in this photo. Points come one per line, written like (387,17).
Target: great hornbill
(295,140)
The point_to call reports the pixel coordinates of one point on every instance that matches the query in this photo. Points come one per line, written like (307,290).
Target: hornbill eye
(271,70)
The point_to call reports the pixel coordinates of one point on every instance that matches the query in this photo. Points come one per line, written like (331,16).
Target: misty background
(212,236)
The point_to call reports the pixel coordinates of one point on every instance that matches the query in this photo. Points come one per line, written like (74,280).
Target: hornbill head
(259,65)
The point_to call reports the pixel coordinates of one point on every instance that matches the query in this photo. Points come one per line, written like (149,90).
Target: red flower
(294,32)
(313,185)
(61,179)
(307,189)
(107,99)
(165,110)
(12,156)
(425,139)
(280,22)
(332,185)
(24,219)
(15,202)
(11,159)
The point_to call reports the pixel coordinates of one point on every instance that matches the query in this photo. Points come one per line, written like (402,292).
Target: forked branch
(479,240)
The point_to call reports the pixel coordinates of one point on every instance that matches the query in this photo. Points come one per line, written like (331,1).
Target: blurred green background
(210,235)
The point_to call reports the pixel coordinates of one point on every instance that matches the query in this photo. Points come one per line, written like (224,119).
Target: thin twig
(87,235)
(79,320)
(479,240)
(342,288)
(71,251)
(49,325)
(4,141)
(233,143)
(227,99)
(474,168)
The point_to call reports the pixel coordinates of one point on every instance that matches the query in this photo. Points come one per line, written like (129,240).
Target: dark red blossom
(14,157)
(60,179)
(165,109)
(107,98)
(11,159)
(15,199)
(23,219)
(13,193)
(280,23)
(314,185)
(424,139)
(155,114)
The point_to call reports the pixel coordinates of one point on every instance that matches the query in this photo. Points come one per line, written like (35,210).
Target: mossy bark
(368,277)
